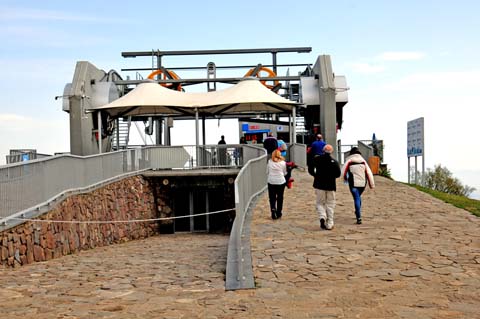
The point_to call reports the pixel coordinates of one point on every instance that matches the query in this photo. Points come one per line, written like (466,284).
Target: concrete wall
(128,199)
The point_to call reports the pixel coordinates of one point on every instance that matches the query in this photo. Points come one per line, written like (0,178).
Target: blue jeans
(357,200)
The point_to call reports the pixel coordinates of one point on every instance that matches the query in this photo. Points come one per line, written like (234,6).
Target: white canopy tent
(149,98)
(246,97)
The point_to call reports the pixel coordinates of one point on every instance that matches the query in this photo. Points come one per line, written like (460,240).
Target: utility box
(374,163)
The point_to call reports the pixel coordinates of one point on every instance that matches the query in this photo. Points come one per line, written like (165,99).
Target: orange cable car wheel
(270,74)
(163,76)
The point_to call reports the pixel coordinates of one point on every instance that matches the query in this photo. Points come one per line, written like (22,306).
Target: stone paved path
(414,257)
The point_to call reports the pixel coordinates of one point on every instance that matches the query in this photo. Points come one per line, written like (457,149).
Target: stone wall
(127,199)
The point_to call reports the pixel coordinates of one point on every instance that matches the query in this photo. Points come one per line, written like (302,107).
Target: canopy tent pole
(196,136)
(99,132)
(196,128)
(204,135)
(158,130)
(294,126)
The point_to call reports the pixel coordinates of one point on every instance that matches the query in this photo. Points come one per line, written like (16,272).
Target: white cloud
(367,68)
(401,56)
(458,82)
(39,36)
(10,121)
(47,136)
(41,69)
(378,64)
(49,15)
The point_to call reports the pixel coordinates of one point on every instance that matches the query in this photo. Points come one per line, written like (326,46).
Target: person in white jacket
(276,171)
(357,172)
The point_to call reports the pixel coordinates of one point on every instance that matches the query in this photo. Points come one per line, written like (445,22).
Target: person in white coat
(276,171)
(358,174)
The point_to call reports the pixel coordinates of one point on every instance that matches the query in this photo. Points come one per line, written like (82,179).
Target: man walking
(315,149)
(318,145)
(325,171)
(270,144)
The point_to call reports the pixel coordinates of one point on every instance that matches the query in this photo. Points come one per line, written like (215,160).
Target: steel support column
(326,91)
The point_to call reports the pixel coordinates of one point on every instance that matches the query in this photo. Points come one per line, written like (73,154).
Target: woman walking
(276,171)
(357,172)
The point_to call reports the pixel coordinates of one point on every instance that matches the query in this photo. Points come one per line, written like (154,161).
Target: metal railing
(204,156)
(298,154)
(27,184)
(32,183)
(250,182)
(364,146)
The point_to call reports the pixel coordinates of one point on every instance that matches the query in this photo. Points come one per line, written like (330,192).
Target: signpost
(416,144)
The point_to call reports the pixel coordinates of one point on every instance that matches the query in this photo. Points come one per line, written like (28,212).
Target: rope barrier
(119,221)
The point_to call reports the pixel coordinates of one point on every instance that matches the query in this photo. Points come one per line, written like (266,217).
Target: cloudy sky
(403,60)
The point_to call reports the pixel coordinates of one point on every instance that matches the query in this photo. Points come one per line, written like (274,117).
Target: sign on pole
(416,145)
(415,137)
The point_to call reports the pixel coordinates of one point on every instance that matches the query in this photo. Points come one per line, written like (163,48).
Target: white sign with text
(415,137)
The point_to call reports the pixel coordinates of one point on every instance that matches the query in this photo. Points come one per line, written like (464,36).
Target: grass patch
(471,205)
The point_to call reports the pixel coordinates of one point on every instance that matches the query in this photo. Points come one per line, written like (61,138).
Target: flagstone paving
(413,257)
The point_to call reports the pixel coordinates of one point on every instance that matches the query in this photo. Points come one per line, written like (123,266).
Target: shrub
(441,179)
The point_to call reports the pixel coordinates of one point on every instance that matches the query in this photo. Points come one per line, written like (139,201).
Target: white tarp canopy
(150,98)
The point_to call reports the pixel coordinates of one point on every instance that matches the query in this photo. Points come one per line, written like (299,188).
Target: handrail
(250,182)
(41,208)
(26,184)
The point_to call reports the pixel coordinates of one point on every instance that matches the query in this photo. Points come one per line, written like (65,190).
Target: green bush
(442,180)
(385,173)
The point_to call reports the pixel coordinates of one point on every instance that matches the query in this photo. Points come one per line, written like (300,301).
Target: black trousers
(275,196)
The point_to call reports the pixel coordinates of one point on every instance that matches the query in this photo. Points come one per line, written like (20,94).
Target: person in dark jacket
(270,144)
(325,172)
(222,151)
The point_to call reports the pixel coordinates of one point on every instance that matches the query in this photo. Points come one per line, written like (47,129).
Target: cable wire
(119,221)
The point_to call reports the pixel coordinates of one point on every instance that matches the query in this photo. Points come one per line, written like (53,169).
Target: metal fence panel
(298,154)
(251,181)
(27,184)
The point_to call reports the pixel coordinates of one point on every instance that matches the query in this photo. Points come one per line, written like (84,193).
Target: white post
(416,170)
(423,168)
(423,159)
(408,170)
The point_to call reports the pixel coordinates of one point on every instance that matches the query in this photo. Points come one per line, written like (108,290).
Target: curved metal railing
(251,181)
(27,186)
